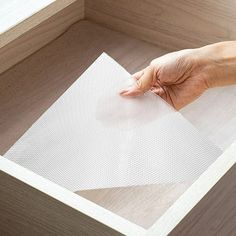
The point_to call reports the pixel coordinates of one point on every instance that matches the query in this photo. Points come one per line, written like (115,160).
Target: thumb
(142,85)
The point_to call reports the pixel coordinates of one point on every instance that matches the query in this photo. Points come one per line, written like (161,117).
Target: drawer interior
(30,87)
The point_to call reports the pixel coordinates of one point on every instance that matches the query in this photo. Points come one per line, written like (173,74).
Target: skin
(183,76)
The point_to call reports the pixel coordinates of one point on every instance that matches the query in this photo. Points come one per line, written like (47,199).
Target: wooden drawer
(32,205)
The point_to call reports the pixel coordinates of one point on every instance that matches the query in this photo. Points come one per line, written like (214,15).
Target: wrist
(217,62)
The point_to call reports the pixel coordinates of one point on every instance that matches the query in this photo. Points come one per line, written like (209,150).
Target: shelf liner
(91,137)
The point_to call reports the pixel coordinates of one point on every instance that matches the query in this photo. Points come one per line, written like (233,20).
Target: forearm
(219,62)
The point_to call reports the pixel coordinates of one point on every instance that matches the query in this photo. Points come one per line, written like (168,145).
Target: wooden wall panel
(208,207)
(30,87)
(15,28)
(27,211)
(39,36)
(215,214)
(142,205)
(168,23)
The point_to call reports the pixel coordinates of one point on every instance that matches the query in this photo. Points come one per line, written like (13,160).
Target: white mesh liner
(214,114)
(93,138)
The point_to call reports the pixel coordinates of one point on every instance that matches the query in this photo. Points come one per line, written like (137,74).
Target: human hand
(181,77)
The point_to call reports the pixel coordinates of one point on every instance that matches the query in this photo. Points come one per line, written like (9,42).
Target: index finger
(142,85)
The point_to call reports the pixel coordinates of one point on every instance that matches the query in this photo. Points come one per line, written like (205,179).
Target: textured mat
(93,138)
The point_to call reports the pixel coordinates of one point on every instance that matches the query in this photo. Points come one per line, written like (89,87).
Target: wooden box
(42,55)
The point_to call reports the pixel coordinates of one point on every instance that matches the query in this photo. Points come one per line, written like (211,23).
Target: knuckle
(152,63)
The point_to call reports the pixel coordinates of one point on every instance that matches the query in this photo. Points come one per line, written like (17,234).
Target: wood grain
(142,205)
(25,94)
(27,211)
(215,214)
(29,88)
(198,192)
(40,35)
(15,12)
(175,25)
(170,24)
(32,21)
(29,204)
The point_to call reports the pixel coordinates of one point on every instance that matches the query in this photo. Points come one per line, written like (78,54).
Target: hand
(181,77)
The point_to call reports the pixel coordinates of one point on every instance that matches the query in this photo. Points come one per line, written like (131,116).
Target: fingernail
(131,92)
(123,91)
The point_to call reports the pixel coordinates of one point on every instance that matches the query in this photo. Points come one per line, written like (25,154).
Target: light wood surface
(29,88)
(16,30)
(175,25)
(214,114)
(208,206)
(39,36)
(21,216)
(25,94)
(13,12)
(216,212)
(169,24)
(142,205)
(32,205)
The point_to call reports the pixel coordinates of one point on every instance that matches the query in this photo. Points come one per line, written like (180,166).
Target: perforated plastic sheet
(214,114)
(93,138)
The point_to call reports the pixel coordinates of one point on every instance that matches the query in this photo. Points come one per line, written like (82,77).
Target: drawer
(52,55)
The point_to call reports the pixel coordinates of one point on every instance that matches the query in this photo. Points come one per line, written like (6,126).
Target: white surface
(12,12)
(170,219)
(93,138)
(214,115)
(71,199)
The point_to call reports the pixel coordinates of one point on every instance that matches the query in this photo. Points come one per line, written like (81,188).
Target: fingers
(158,91)
(138,74)
(145,80)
